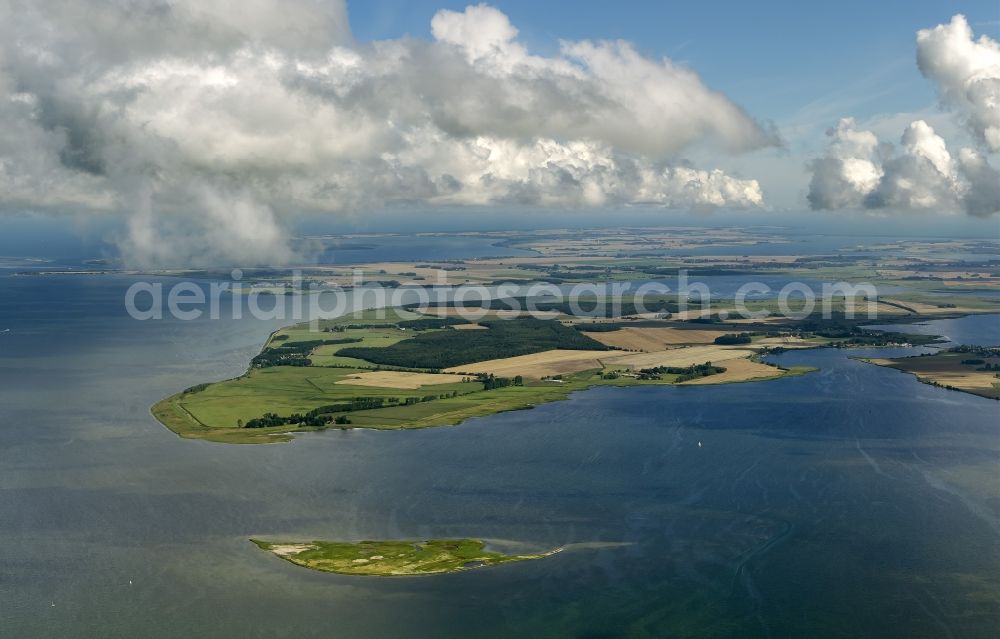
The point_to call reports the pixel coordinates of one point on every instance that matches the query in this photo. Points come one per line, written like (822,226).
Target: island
(970,369)
(393,558)
(396,368)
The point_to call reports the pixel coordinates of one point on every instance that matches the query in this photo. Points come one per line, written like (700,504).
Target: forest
(505,338)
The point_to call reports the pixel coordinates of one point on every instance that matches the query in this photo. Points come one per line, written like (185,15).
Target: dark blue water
(851,502)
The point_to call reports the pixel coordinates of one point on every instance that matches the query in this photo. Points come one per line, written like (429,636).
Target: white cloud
(967,74)
(850,170)
(205,119)
(983,196)
(858,171)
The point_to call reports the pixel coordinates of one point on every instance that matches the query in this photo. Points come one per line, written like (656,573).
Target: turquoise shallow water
(851,502)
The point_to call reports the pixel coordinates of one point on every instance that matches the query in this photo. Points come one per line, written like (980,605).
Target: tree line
(505,338)
(323,415)
(684,373)
(294,353)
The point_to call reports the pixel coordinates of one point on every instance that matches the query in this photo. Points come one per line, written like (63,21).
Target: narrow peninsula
(970,369)
(395,369)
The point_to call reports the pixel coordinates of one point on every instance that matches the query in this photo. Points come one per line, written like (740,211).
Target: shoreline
(171,412)
(929,378)
(395,558)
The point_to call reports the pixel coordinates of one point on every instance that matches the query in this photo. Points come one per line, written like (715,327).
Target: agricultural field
(924,308)
(969,369)
(476,314)
(356,375)
(598,242)
(654,339)
(930,278)
(537,365)
(398,369)
(681,357)
(740,370)
(284,390)
(397,379)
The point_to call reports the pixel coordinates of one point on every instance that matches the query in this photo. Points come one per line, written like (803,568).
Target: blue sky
(799,65)
(773,58)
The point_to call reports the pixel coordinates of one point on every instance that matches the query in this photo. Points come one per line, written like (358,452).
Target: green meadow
(223,411)
(392,558)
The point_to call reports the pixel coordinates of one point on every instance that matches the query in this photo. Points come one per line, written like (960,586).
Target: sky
(774,58)
(206,128)
(802,65)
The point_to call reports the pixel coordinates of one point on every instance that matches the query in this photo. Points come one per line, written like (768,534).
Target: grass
(290,389)
(455,410)
(392,558)
(373,337)
(370,317)
(212,414)
(217,411)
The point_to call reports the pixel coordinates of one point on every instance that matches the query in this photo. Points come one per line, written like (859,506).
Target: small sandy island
(394,558)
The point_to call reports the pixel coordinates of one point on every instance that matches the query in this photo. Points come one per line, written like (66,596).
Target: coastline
(171,413)
(953,383)
(394,558)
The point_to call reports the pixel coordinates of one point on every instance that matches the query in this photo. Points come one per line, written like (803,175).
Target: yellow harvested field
(559,362)
(554,362)
(678,357)
(786,342)
(399,379)
(970,380)
(879,361)
(958,379)
(473,314)
(947,371)
(470,327)
(654,339)
(738,370)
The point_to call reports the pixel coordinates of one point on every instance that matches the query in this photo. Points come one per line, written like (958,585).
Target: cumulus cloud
(850,170)
(207,120)
(983,196)
(967,74)
(860,172)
